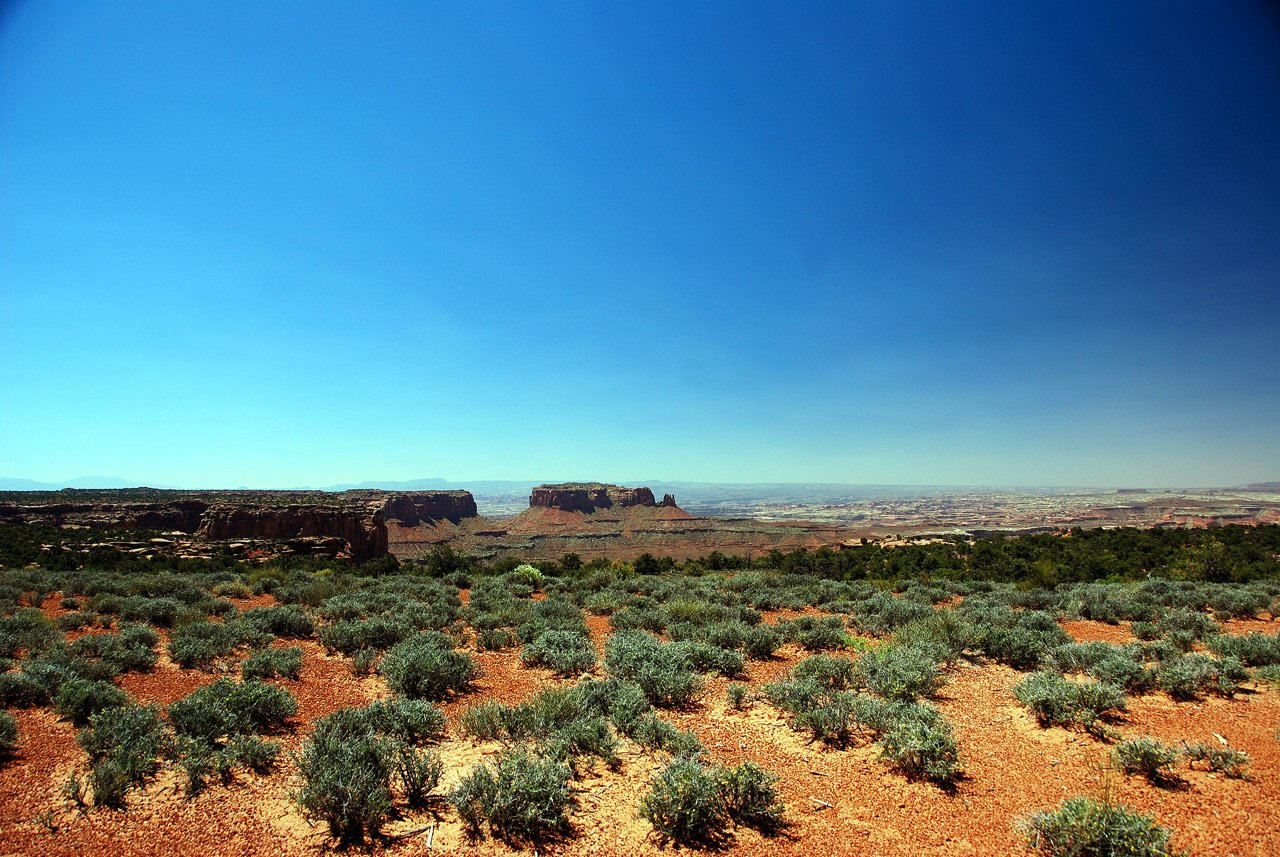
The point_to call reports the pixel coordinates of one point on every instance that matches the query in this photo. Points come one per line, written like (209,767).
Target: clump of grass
(1085,826)
(272,663)
(1058,702)
(923,750)
(563,652)
(1225,760)
(691,803)
(1147,756)
(8,735)
(426,666)
(737,695)
(522,797)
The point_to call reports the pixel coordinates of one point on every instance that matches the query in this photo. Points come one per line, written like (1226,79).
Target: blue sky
(291,244)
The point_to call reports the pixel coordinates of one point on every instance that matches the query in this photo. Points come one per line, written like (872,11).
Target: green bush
(376,632)
(270,663)
(125,745)
(751,797)
(419,773)
(522,796)
(199,644)
(8,734)
(685,804)
(289,621)
(484,720)
(426,666)
(27,631)
(1146,630)
(78,699)
(1147,756)
(1058,702)
(737,696)
(346,773)
(412,721)
(665,672)
(1124,671)
(761,642)
(227,708)
(131,650)
(944,634)
(563,652)
(1189,677)
(691,803)
(1234,763)
(654,734)
(1255,650)
(1084,826)
(495,640)
(901,672)
(365,661)
(923,750)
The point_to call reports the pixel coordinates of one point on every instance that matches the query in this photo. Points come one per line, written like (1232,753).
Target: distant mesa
(590,496)
(411,509)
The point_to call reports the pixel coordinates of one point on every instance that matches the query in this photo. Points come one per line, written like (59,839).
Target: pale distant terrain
(882,509)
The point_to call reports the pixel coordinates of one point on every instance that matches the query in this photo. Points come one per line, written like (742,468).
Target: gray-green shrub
(426,666)
(523,797)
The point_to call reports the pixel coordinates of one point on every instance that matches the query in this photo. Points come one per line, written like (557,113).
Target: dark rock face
(411,509)
(587,497)
(182,515)
(362,529)
(306,521)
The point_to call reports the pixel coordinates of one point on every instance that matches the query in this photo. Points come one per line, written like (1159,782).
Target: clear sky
(280,244)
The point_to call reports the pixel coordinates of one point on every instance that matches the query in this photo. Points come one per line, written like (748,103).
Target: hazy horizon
(866,244)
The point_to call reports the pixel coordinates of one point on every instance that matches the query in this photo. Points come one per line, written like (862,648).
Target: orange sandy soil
(1012,767)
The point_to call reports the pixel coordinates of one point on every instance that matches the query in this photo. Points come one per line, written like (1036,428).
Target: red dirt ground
(1012,767)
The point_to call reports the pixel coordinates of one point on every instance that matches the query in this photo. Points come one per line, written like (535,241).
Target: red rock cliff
(589,496)
(410,509)
(362,529)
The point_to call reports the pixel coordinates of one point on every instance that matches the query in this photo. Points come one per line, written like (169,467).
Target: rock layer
(362,529)
(411,509)
(589,496)
(305,520)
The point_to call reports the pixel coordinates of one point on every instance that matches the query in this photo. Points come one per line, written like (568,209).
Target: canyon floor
(838,801)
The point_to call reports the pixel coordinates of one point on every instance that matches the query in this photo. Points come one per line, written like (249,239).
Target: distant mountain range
(10,484)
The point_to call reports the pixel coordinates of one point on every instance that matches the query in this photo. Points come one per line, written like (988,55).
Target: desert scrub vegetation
(522,796)
(272,663)
(349,763)
(426,666)
(200,644)
(126,746)
(1056,701)
(1146,756)
(8,736)
(1221,759)
(1191,676)
(664,671)
(820,697)
(1086,826)
(902,672)
(563,652)
(692,803)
